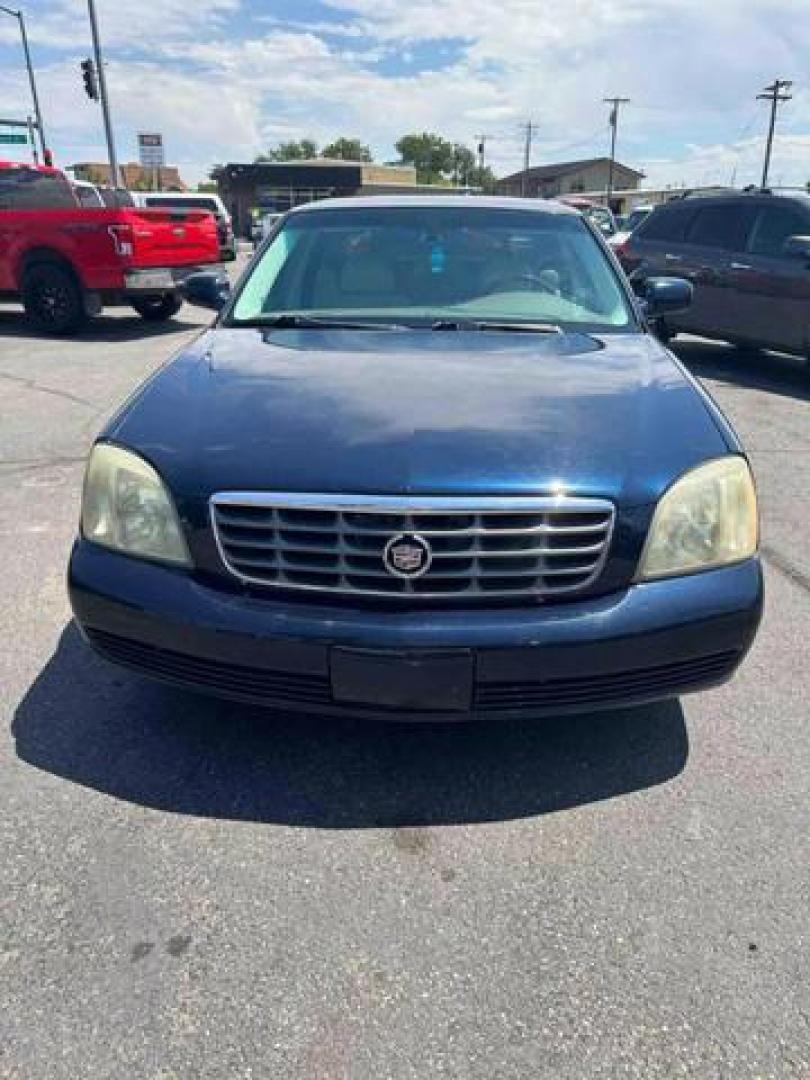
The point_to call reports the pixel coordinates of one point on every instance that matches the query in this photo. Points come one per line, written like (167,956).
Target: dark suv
(748,258)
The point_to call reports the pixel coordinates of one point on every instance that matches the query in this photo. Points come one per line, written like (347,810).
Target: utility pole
(115,176)
(775,93)
(615,103)
(18,15)
(529,129)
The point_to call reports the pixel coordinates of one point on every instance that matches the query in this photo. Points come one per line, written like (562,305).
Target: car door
(772,289)
(9,225)
(716,234)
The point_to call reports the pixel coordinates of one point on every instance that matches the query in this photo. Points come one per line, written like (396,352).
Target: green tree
(347,150)
(485,179)
(430,154)
(463,164)
(294,150)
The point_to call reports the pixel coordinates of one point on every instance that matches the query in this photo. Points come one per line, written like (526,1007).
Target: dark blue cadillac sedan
(429,462)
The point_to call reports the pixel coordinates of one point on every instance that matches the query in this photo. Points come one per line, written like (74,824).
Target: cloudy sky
(223,79)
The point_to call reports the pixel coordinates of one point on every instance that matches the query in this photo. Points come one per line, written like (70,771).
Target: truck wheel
(157,308)
(53,299)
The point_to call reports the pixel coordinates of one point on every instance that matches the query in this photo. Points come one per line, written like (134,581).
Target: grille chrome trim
(333,544)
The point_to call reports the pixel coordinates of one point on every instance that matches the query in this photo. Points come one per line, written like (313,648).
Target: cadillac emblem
(407,556)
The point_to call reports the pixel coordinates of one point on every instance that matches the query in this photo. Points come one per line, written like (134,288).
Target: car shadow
(110,328)
(775,373)
(99,726)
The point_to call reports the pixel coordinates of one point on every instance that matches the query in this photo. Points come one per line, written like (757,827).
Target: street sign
(18,138)
(150,149)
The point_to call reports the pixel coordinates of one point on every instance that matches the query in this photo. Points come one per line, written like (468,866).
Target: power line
(615,103)
(775,93)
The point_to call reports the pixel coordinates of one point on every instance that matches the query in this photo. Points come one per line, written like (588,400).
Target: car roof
(474,202)
(734,197)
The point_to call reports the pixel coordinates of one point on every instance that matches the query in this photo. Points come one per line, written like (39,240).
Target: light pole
(115,176)
(18,15)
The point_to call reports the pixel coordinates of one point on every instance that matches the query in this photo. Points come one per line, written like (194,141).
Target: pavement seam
(32,384)
(786,567)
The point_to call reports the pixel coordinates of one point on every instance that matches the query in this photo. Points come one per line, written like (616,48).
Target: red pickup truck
(64,262)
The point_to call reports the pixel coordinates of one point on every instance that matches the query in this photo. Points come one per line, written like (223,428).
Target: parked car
(64,262)
(601,216)
(628,224)
(190,200)
(748,258)
(263,226)
(428,462)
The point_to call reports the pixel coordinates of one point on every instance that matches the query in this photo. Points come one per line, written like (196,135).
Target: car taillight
(122,238)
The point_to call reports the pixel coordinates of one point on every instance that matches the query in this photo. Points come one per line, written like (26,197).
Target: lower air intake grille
(664,681)
(254,684)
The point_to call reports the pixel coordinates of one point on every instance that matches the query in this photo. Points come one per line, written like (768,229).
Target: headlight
(126,507)
(708,518)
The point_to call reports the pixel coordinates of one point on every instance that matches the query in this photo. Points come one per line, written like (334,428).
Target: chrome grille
(481,547)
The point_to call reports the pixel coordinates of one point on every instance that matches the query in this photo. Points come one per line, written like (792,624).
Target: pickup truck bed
(65,262)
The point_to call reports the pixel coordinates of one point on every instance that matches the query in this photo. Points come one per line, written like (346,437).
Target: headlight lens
(126,507)
(708,518)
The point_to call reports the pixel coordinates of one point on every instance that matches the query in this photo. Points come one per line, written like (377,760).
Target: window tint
(665,223)
(773,226)
(27,189)
(723,226)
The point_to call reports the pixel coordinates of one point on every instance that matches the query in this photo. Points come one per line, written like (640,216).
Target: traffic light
(89,78)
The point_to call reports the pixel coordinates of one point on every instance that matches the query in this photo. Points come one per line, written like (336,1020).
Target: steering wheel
(533,281)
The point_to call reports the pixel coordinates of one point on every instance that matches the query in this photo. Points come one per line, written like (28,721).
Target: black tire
(53,298)
(157,308)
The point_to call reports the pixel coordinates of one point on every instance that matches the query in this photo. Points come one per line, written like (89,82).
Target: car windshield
(421,265)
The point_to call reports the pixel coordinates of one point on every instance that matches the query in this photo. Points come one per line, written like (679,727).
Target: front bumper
(649,642)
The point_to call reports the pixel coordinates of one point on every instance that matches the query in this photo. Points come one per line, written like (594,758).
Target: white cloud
(222,80)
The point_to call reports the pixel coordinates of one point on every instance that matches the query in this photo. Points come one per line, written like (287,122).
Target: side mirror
(797,247)
(666,295)
(207,289)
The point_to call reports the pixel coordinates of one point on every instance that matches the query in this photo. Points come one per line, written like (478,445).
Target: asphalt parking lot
(195,889)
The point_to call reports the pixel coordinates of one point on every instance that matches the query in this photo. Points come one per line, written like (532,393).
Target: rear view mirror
(797,247)
(666,295)
(206,289)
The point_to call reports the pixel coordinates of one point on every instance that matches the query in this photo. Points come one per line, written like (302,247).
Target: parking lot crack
(32,384)
(786,567)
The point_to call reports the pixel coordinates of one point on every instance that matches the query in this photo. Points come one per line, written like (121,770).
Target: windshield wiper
(288,321)
(492,324)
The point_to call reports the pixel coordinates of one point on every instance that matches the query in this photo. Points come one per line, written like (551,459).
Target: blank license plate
(425,682)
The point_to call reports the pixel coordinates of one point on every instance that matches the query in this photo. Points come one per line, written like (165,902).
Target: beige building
(569,178)
(135,176)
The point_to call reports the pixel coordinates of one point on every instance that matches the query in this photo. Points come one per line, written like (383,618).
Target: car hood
(400,412)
